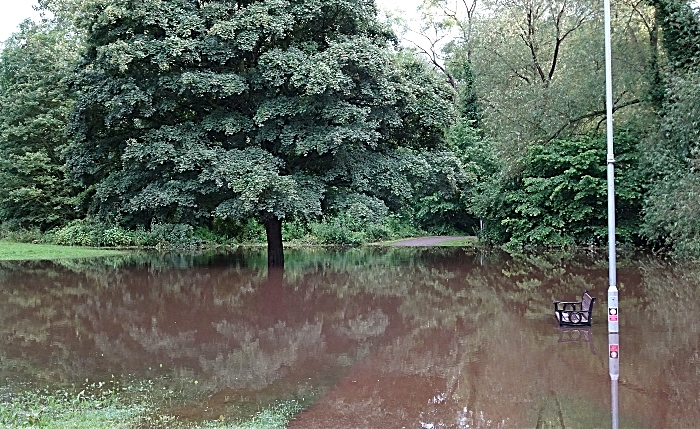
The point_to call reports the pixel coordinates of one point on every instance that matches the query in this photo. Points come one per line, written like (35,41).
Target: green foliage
(529,71)
(342,230)
(441,184)
(96,408)
(680,23)
(481,166)
(170,235)
(276,416)
(249,231)
(22,235)
(401,225)
(95,233)
(671,156)
(198,122)
(114,406)
(207,235)
(360,207)
(670,211)
(681,114)
(35,65)
(346,229)
(670,215)
(190,112)
(560,199)
(460,68)
(294,231)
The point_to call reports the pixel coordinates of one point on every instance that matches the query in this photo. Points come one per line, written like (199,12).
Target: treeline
(134,123)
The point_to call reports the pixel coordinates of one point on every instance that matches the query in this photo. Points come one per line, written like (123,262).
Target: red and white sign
(614,351)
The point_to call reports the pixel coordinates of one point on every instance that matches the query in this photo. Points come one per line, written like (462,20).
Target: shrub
(561,197)
(251,231)
(294,230)
(80,232)
(399,226)
(93,233)
(338,231)
(346,230)
(205,234)
(172,235)
(21,235)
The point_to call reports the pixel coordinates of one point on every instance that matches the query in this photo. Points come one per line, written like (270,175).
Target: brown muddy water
(377,338)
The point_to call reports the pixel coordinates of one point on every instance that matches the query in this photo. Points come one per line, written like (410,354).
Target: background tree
(672,151)
(533,84)
(539,70)
(193,111)
(35,65)
(560,197)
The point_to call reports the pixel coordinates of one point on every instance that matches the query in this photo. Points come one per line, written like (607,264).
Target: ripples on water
(380,338)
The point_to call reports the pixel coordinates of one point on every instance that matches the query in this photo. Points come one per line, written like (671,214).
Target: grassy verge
(116,408)
(24,251)
(275,417)
(467,242)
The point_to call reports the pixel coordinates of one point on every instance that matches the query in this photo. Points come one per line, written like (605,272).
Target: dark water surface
(379,338)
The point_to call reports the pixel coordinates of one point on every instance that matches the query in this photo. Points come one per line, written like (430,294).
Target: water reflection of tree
(442,317)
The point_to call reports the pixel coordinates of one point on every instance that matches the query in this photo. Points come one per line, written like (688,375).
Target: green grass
(118,407)
(275,417)
(63,409)
(24,251)
(467,242)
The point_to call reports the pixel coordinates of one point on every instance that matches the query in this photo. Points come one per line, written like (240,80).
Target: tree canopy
(35,66)
(189,111)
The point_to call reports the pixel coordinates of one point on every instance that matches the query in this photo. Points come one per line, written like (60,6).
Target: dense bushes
(338,230)
(560,196)
(94,233)
(345,230)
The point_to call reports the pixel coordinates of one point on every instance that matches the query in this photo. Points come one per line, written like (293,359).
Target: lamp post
(613,325)
(614,367)
(613,322)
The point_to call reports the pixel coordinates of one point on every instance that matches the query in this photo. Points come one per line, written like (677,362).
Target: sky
(408,10)
(407,6)
(16,11)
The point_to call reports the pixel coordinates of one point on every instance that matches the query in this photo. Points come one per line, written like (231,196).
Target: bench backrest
(587,302)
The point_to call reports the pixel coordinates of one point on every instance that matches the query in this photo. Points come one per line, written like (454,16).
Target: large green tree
(192,110)
(35,66)
(672,155)
(535,75)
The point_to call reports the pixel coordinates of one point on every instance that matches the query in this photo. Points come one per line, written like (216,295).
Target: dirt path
(429,241)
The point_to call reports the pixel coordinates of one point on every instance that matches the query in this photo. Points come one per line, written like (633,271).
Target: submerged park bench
(575,313)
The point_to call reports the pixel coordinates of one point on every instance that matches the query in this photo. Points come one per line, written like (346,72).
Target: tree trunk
(275,251)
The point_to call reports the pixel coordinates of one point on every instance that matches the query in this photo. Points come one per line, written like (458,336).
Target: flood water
(378,338)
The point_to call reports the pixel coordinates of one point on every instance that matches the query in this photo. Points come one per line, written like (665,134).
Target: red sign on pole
(614,351)
(612,314)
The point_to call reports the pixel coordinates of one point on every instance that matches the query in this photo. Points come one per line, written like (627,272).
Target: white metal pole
(614,365)
(613,324)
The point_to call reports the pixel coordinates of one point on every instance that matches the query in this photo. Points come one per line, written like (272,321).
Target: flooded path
(371,338)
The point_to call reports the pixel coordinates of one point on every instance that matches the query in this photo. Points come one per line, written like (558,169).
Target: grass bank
(120,408)
(465,242)
(24,251)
